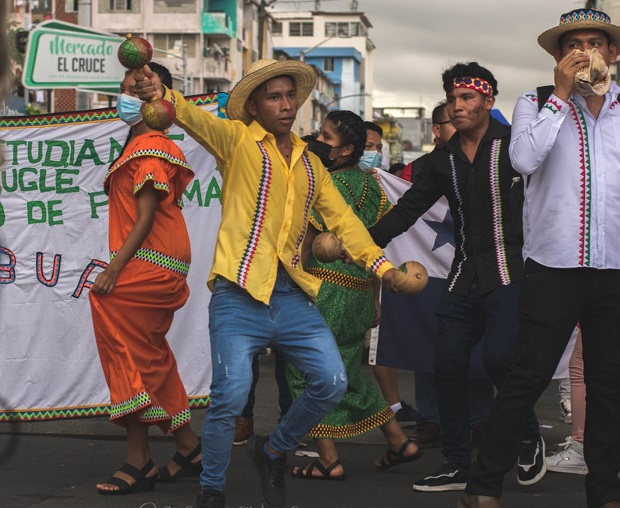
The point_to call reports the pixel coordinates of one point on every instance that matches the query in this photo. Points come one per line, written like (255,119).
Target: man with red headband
(473,171)
(568,150)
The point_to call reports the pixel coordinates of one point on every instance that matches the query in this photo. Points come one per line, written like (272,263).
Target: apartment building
(338,44)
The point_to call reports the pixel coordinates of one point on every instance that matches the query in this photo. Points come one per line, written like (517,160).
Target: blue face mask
(128,108)
(370,159)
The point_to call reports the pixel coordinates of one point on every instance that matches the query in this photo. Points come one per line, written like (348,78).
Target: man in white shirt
(569,153)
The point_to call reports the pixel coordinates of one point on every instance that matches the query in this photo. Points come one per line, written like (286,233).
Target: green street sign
(62,55)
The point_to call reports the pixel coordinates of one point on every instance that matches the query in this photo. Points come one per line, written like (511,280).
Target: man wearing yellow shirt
(261,294)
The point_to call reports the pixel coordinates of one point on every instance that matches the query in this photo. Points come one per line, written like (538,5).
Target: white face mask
(129,109)
(370,159)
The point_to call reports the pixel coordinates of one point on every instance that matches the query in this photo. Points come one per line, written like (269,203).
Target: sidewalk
(57,464)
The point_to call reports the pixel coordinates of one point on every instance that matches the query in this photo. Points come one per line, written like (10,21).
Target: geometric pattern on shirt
(374,267)
(307,204)
(459,210)
(130,405)
(552,104)
(341,279)
(159,259)
(498,222)
(585,184)
(259,218)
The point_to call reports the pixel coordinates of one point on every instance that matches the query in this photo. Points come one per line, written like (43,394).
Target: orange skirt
(130,328)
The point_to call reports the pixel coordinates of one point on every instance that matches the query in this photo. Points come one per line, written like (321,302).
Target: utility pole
(262,18)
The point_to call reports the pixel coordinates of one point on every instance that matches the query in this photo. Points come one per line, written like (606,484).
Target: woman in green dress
(349,302)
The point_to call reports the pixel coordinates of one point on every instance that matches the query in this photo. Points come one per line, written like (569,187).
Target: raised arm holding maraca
(136,53)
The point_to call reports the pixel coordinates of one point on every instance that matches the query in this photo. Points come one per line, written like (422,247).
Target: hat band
(478,84)
(584,15)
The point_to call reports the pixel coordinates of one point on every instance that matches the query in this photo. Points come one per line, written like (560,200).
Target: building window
(71,5)
(328,64)
(108,6)
(120,5)
(344,29)
(174,6)
(276,28)
(299,29)
(173,43)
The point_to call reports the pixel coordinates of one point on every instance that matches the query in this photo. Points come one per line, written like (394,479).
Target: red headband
(478,84)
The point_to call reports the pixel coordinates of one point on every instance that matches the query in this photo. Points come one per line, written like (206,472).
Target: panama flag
(405,336)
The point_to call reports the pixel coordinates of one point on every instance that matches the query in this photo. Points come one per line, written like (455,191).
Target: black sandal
(188,468)
(142,482)
(392,458)
(326,472)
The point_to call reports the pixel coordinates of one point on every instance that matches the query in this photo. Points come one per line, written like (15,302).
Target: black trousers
(552,302)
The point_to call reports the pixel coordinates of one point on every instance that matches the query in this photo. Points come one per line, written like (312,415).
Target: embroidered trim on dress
(354,429)
(162,186)
(341,279)
(147,152)
(131,405)
(159,259)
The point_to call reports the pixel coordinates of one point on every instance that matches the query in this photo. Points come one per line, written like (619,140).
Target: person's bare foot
(131,476)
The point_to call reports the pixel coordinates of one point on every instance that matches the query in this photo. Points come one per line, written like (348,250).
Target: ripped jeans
(239,326)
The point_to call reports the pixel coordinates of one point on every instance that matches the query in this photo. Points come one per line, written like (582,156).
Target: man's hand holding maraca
(148,85)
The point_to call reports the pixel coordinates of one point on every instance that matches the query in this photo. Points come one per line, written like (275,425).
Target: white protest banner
(53,241)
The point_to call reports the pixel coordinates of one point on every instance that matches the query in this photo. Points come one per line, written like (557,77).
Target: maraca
(326,247)
(135,53)
(412,278)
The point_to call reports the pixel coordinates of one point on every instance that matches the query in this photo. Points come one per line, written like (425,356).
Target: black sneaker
(210,499)
(271,486)
(451,476)
(407,416)
(531,466)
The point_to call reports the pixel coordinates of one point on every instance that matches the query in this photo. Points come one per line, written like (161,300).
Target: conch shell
(593,79)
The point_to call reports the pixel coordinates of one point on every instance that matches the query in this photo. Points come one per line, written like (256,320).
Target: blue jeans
(284,394)
(462,322)
(239,326)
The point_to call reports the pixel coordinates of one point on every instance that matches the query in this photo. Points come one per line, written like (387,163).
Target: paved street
(56,465)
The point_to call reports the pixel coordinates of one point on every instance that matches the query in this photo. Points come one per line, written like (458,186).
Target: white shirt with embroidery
(571,215)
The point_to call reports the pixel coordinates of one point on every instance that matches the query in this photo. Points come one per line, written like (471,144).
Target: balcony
(217,23)
(217,69)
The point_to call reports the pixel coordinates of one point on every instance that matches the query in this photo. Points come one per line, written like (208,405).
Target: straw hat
(261,71)
(578,19)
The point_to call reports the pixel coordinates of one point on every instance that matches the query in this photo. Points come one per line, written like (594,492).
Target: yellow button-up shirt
(266,204)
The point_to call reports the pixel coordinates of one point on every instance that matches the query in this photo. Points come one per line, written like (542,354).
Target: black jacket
(484,207)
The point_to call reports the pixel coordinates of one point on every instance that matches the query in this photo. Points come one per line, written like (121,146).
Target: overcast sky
(416,40)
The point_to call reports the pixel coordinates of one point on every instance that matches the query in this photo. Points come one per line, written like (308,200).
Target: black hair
(162,72)
(352,131)
(438,111)
(467,70)
(371,126)
(397,166)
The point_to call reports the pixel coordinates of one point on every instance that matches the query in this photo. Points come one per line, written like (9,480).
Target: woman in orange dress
(134,299)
